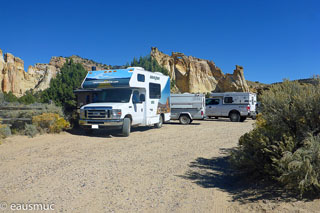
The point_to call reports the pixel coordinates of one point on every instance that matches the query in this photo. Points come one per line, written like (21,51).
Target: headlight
(116,113)
(82,113)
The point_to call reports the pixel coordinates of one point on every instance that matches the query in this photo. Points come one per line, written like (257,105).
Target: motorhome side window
(141,78)
(228,100)
(154,91)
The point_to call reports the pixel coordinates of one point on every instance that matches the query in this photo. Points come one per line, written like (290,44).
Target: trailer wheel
(126,127)
(234,117)
(216,117)
(184,119)
(159,125)
(243,118)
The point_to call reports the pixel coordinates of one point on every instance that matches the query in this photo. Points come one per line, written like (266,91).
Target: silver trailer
(238,106)
(187,107)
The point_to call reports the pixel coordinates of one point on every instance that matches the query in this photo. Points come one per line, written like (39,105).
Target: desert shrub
(50,123)
(284,145)
(30,130)
(4,131)
(61,88)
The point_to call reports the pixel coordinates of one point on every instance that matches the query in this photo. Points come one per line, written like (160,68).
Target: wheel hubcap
(184,120)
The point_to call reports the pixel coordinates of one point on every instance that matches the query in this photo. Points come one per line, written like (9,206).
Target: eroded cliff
(195,75)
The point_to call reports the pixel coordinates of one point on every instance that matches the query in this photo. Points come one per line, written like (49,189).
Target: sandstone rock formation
(14,79)
(12,75)
(195,75)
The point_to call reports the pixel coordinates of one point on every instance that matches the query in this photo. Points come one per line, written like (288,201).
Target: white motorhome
(187,107)
(123,98)
(236,105)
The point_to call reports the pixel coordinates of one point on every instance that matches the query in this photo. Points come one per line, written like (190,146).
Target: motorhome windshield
(113,96)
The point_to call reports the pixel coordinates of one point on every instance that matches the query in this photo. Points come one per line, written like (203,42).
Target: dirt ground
(173,169)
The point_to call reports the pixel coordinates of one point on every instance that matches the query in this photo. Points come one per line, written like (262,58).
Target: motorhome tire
(234,117)
(126,127)
(159,125)
(184,119)
(243,118)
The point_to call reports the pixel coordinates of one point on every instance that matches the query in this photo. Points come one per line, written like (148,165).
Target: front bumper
(87,123)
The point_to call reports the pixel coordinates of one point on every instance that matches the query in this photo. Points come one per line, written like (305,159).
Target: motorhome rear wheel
(159,125)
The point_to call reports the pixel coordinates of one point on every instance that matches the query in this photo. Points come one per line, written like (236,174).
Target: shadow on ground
(217,173)
(106,133)
(194,123)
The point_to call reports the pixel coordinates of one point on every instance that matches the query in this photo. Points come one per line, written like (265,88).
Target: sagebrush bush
(30,130)
(284,145)
(4,131)
(50,123)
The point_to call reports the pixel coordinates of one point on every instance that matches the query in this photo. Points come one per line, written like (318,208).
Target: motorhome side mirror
(142,98)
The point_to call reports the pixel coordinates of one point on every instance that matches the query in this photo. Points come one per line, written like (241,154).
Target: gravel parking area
(145,172)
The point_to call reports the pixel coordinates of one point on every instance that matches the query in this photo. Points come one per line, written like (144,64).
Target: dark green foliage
(28,98)
(61,88)
(10,97)
(284,145)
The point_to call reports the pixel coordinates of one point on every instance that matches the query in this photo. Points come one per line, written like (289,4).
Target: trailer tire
(243,118)
(234,116)
(126,127)
(216,117)
(159,125)
(184,119)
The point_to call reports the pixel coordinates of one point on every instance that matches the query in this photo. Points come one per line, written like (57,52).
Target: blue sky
(271,39)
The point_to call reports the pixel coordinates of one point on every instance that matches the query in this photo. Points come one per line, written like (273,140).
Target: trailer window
(228,100)
(154,91)
(141,78)
(213,102)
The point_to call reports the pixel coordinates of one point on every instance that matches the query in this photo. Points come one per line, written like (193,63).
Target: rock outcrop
(195,75)
(13,77)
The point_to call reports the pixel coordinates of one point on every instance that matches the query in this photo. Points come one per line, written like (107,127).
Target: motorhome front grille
(97,114)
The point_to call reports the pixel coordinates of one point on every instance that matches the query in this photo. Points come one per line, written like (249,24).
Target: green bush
(30,130)
(284,145)
(61,88)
